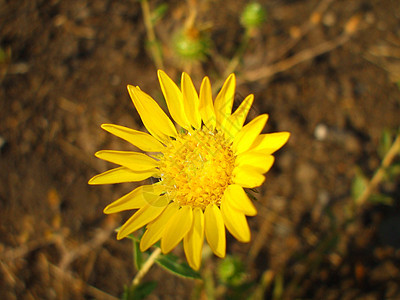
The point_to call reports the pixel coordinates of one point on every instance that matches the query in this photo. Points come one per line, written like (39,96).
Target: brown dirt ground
(65,71)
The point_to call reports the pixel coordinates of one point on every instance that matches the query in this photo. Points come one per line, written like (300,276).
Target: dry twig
(95,292)
(100,237)
(302,56)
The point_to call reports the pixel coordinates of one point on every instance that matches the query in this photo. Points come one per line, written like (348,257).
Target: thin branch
(14,253)
(95,292)
(100,237)
(380,173)
(313,20)
(300,57)
(350,28)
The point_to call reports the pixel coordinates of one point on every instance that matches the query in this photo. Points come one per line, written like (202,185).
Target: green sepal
(250,195)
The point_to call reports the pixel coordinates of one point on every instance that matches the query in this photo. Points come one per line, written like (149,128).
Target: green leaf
(137,255)
(359,184)
(393,171)
(231,271)
(385,143)
(381,199)
(279,286)
(3,55)
(138,292)
(158,13)
(171,263)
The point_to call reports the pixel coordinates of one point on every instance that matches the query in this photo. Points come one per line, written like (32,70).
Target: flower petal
(247,177)
(270,142)
(193,241)
(156,228)
(133,160)
(256,160)
(177,228)
(190,101)
(237,119)
(235,222)
(224,101)
(215,230)
(238,199)
(143,216)
(206,104)
(174,99)
(122,174)
(142,140)
(136,199)
(153,117)
(247,135)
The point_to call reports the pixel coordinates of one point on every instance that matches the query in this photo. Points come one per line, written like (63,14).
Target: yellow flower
(202,170)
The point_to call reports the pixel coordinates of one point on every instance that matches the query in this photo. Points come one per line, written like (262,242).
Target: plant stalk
(146,267)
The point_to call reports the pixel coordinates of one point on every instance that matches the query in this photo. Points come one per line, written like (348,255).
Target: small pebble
(321,132)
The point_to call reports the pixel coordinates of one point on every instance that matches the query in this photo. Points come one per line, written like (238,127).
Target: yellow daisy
(202,169)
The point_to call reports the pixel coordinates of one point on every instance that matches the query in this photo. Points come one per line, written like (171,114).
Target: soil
(64,67)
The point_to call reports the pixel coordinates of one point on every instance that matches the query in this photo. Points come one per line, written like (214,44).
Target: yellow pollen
(196,168)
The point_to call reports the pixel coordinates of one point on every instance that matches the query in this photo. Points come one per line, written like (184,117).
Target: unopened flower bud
(253,15)
(191,44)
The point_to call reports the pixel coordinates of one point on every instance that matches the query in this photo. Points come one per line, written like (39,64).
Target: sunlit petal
(191,101)
(143,216)
(215,230)
(224,101)
(270,142)
(122,174)
(256,160)
(133,160)
(177,228)
(136,199)
(238,199)
(206,104)
(247,135)
(142,140)
(193,241)
(156,228)
(248,177)
(173,97)
(235,222)
(153,117)
(237,119)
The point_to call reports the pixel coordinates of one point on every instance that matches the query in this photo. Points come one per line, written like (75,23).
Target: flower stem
(234,62)
(146,267)
(380,173)
(153,43)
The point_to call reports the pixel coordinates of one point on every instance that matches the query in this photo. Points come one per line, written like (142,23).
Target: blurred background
(327,71)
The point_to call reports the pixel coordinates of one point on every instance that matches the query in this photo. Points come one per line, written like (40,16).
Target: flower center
(196,168)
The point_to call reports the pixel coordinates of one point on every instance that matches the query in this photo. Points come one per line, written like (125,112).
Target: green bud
(253,16)
(231,271)
(191,44)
